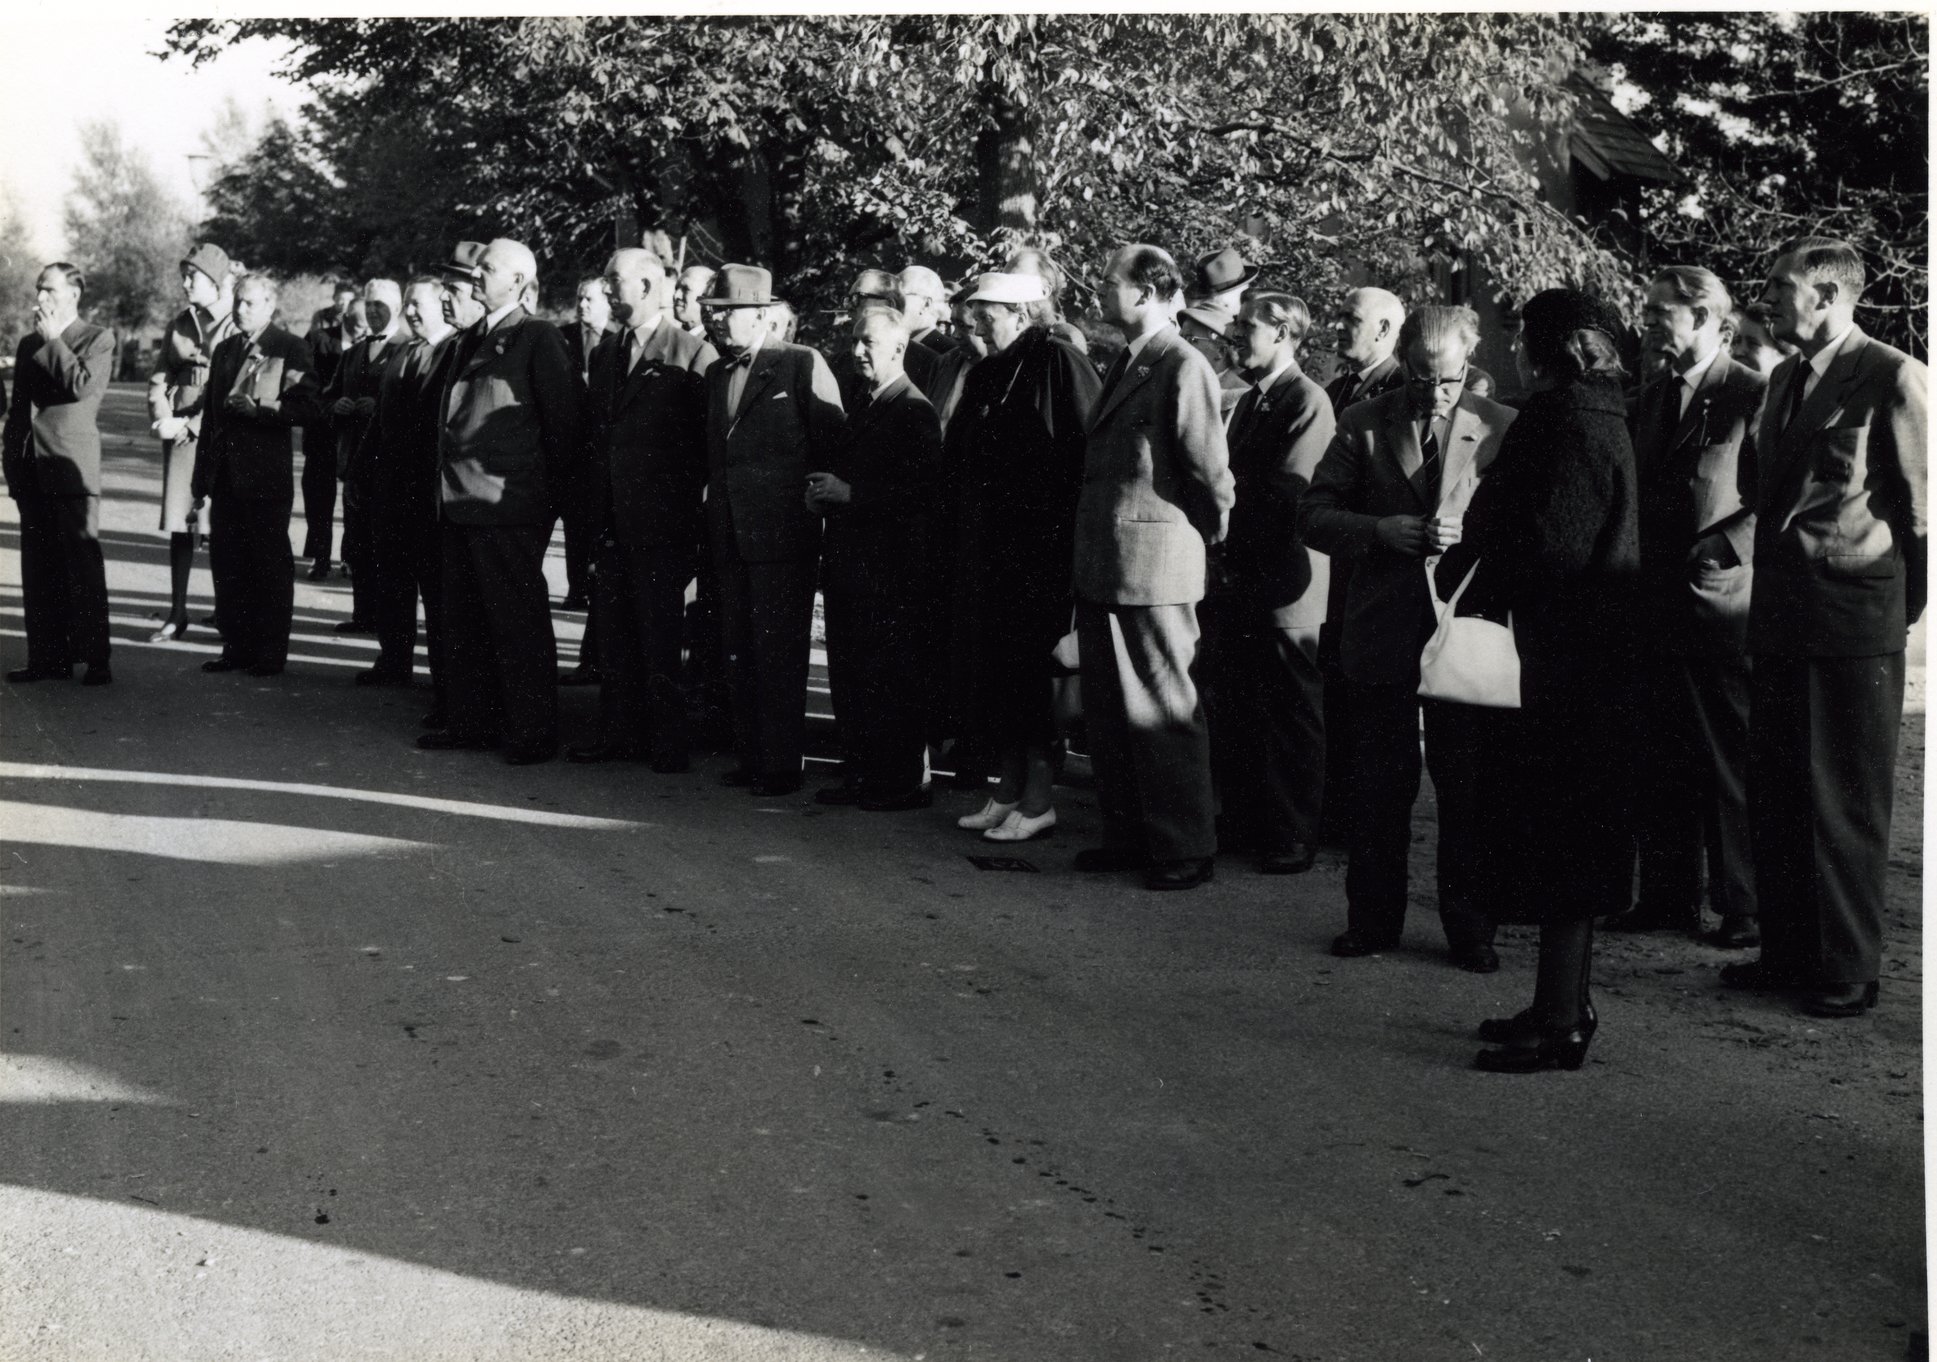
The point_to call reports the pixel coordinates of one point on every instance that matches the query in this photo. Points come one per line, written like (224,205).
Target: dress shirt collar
(1136,346)
(1270,380)
(1827,355)
(492,319)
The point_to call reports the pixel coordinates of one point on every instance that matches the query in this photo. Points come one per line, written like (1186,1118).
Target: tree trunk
(1005,167)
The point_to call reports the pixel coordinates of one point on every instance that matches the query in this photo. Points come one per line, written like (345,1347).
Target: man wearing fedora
(507,443)
(773,416)
(1157,489)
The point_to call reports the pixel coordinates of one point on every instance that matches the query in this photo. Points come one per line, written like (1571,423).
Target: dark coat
(52,443)
(646,465)
(357,374)
(574,334)
(510,436)
(1553,528)
(398,455)
(891,459)
(1276,440)
(250,456)
(1385,376)
(1014,459)
(758,458)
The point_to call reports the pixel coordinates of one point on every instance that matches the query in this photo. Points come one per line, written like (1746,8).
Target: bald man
(694,280)
(507,444)
(348,403)
(924,303)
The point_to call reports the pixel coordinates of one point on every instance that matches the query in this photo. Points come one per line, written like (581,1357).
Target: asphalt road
(320,1047)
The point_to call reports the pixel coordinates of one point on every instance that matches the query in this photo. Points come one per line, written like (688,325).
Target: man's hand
(1442,532)
(343,406)
(45,325)
(1404,534)
(825,490)
(240,403)
(1714,550)
(365,407)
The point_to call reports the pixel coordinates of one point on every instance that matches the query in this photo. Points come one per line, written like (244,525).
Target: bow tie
(740,361)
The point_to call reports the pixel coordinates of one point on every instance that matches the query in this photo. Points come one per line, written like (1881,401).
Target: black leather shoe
(1477,959)
(1735,934)
(1550,1050)
(98,675)
(445,740)
(1839,1000)
(1754,976)
(354,627)
(529,756)
(581,675)
(776,787)
(1523,1028)
(1646,918)
(914,799)
(1293,860)
(597,752)
(265,669)
(1180,874)
(670,764)
(737,778)
(838,794)
(1351,943)
(22,675)
(224,663)
(318,570)
(1105,860)
(382,676)
(434,718)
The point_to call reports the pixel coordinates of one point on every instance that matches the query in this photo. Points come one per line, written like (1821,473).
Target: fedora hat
(739,286)
(1222,270)
(466,261)
(1015,289)
(1209,312)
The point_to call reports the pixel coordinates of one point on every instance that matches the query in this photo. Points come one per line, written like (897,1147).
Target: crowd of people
(1226,573)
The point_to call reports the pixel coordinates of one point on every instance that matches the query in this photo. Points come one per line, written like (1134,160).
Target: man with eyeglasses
(1388,496)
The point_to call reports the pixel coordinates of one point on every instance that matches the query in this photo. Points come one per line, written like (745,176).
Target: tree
(19,268)
(1790,124)
(126,232)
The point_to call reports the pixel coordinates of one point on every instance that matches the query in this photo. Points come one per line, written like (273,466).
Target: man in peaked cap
(773,416)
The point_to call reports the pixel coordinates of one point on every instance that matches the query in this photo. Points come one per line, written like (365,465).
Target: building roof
(1609,143)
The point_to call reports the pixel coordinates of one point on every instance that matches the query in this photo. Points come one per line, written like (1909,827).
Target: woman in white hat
(1015,455)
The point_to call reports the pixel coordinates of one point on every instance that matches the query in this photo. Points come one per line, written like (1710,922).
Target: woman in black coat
(1553,529)
(1014,454)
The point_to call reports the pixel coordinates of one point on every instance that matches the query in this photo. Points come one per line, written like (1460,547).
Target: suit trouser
(766,630)
(319,492)
(406,561)
(503,662)
(63,581)
(255,592)
(879,654)
(1695,760)
(1386,767)
(1265,697)
(355,549)
(639,613)
(1149,744)
(1822,763)
(582,546)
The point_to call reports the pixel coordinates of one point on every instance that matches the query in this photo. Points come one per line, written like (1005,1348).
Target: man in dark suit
(332,330)
(1388,497)
(1157,489)
(508,442)
(259,385)
(1839,493)
(1267,600)
(881,496)
(52,454)
(925,306)
(1689,428)
(871,289)
(593,324)
(644,477)
(1366,332)
(773,416)
(396,466)
(348,403)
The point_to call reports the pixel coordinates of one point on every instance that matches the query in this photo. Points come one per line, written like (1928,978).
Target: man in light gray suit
(1839,490)
(1157,488)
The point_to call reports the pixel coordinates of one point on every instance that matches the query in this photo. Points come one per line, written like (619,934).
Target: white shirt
(1824,357)
(1136,346)
(639,335)
(1692,378)
(736,382)
(1264,385)
(492,319)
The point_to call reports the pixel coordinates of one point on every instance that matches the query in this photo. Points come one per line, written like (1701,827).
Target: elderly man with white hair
(924,303)
(347,404)
(509,435)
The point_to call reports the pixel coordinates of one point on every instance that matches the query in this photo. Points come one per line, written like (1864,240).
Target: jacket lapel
(1135,374)
(759,379)
(1403,439)
(491,341)
(1695,417)
(1822,403)
(1462,446)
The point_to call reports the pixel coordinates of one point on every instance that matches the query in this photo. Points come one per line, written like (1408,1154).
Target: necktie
(1793,399)
(1117,367)
(1670,416)
(1347,386)
(1425,479)
(629,352)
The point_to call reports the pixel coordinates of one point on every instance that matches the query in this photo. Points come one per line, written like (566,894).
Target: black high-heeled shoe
(1550,1050)
(1523,1028)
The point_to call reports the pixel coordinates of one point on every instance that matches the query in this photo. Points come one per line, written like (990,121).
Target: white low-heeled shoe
(991,816)
(1020,827)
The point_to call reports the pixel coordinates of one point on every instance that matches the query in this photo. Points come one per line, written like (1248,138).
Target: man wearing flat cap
(774,415)
(507,446)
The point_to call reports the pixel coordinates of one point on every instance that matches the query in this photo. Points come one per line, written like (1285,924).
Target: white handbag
(1469,660)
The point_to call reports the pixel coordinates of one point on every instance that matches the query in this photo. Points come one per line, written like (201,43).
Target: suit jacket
(1276,440)
(1384,377)
(511,424)
(891,459)
(358,374)
(1841,507)
(574,335)
(52,444)
(1365,475)
(1688,487)
(1157,484)
(397,457)
(758,458)
(646,468)
(327,341)
(250,457)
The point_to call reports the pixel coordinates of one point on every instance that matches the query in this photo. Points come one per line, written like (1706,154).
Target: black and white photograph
(963,686)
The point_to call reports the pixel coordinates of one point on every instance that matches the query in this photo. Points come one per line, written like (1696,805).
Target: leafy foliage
(1789,124)
(125,231)
(19,267)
